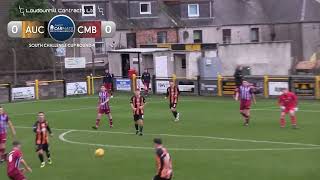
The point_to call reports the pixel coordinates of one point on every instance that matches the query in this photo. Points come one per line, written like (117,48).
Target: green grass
(203,119)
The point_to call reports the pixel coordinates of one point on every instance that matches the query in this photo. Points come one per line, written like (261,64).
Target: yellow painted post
(36,84)
(89,85)
(174,78)
(220,78)
(92,85)
(134,82)
(266,87)
(317,88)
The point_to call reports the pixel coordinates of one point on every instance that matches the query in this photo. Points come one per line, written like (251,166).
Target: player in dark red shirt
(108,81)
(288,102)
(14,159)
(4,124)
(137,105)
(103,107)
(163,161)
(245,93)
(173,95)
(42,130)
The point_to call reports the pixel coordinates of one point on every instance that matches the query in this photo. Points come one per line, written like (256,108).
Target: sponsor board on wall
(210,88)
(162,86)
(123,84)
(275,88)
(76,88)
(228,87)
(74,62)
(304,88)
(22,93)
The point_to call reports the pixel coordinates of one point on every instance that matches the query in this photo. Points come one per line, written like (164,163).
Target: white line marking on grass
(189,136)
(62,138)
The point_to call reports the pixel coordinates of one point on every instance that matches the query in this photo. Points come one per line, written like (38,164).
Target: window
(254,34)
(197,36)
(145,8)
(162,37)
(183,63)
(99,46)
(193,10)
(226,36)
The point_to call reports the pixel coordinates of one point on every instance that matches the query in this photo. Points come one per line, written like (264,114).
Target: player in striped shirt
(163,161)
(173,95)
(245,93)
(137,105)
(42,130)
(103,107)
(4,124)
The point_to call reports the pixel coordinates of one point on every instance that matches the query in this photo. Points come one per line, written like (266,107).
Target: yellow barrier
(220,78)
(266,87)
(37,88)
(89,85)
(317,79)
(4,84)
(174,78)
(134,82)
(92,85)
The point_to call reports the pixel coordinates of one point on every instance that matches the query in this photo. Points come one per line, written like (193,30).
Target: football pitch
(209,142)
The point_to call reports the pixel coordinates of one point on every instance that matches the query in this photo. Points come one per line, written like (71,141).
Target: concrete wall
(192,65)
(209,65)
(263,58)
(311,39)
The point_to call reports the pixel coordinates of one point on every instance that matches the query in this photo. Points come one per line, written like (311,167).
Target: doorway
(125,63)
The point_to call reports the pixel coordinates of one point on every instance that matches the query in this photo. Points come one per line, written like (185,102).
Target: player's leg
(293,118)
(146,88)
(140,123)
(48,154)
(40,155)
(247,118)
(2,148)
(99,115)
(283,119)
(110,119)
(136,125)
(175,113)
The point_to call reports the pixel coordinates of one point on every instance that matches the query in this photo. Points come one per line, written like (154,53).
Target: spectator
(108,81)
(146,78)
(238,77)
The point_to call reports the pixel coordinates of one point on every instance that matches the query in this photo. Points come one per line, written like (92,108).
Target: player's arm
(236,97)
(13,130)
(253,95)
(35,126)
(280,103)
(178,90)
(131,103)
(49,130)
(167,94)
(26,165)
(107,100)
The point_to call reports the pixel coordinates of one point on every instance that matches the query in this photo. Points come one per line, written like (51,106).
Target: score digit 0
(14,29)
(108,29)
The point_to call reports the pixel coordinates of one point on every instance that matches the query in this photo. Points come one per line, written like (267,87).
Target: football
(99,152)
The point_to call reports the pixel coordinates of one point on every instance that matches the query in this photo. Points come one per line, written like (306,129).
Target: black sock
(136,126)
(41,157)
(141,129)
(175,113)
(48,154)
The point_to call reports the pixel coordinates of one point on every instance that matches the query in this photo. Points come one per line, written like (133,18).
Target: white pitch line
(62,138)
(190,136)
